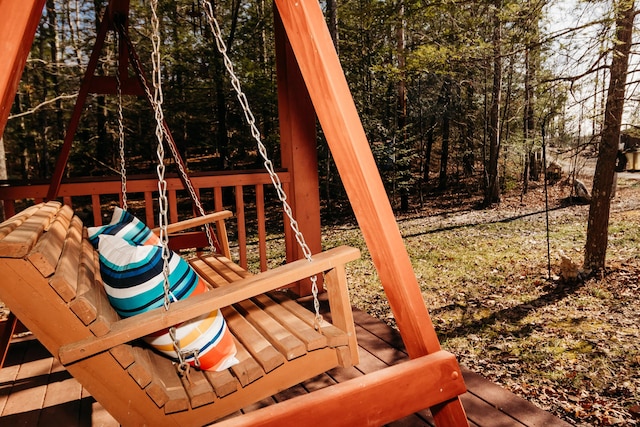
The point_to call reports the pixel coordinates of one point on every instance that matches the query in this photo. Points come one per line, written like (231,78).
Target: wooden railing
(93,198)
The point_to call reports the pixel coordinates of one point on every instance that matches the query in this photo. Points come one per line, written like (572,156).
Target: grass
(571,348)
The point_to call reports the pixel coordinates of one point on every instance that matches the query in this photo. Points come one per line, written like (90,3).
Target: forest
(454,94)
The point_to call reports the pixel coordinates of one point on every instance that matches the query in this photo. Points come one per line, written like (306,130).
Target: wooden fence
(243,193)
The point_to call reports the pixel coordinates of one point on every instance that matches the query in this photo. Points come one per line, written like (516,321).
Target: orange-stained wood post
(327,86)
(298,150)
(18,23)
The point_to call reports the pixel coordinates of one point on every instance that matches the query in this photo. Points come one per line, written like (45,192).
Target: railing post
(298,148)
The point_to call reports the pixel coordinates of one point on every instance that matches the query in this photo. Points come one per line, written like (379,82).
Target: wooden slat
(96,208)
(198,389)
(106,314)
(22,239)
(335,337)
(12,223)
(313,340)
(262,351)
(262,228)
(204,270)
(150,218)
(224,268)
(65,279)
(283,340)
(195,222)
(223,382)
(165,388)
(85,304)
(123,354)
(516,407)
(46,253)
(247,370)
(242,229)
(173,206)
(141,370)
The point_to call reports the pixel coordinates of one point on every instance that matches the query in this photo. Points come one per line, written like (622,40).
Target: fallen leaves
(571,348)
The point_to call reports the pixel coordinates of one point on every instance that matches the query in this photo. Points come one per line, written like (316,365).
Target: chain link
(255,133)
(213,243)
(123,169)
(157,98)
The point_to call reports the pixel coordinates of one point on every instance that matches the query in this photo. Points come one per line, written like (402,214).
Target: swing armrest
(195,222)
(217,217)
(135,327)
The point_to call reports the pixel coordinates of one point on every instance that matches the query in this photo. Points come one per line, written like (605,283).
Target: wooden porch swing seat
(52,282)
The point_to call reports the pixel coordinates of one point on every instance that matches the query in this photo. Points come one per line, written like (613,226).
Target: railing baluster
(242,230)
(96,207)
(150,217)
(262,230)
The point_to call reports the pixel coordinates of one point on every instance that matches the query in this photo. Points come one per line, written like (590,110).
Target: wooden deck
(35,390)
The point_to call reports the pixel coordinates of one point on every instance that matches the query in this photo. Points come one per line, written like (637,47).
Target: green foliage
(420,72)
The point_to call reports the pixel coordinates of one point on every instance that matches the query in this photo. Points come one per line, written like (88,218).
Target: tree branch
(42,104)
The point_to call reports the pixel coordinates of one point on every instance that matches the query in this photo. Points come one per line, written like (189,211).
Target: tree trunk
(492,185)
(598,224)
(428,149)
(332,21)
(469,158)
(528,116)
(446,131)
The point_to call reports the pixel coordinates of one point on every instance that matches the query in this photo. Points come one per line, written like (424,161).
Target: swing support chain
(123,169)
(255,133)
(135,62)
(157,100)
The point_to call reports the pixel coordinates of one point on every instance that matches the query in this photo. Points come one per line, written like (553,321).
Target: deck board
(35,389)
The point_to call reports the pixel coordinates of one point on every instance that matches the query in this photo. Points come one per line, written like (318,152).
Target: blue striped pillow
(134,282)
(124,225)
(133,276)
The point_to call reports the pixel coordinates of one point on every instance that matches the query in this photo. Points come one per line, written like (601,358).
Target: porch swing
(46,261)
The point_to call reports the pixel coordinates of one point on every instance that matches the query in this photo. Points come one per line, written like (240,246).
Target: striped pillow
(126,226)
(134,282)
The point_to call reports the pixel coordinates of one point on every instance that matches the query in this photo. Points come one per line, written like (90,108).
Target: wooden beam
(370,400)
(327,85)
(298,149)
(18,24)
(320,67)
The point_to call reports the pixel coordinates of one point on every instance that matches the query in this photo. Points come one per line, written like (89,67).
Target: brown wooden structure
(307,64)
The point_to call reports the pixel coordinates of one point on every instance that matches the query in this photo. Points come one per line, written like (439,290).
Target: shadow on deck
(35,390)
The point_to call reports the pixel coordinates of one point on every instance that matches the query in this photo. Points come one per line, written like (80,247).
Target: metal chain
(255,133)
(183,366)
(123,169)
(185,177)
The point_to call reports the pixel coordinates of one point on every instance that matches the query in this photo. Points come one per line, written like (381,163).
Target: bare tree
(598,224)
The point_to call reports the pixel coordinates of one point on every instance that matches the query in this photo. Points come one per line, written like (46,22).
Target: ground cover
(570,347)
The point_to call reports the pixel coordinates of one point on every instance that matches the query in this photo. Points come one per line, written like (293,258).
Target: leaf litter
(570,347)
